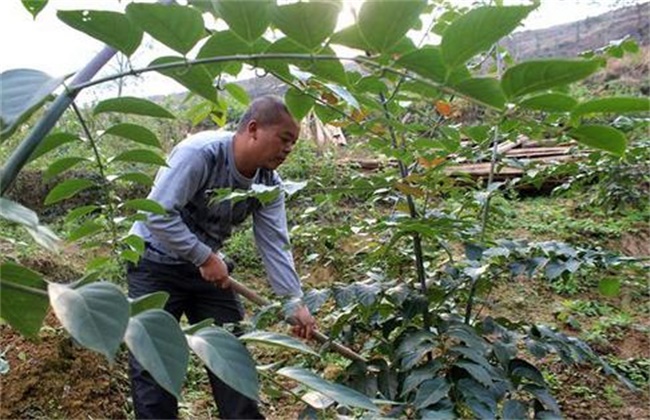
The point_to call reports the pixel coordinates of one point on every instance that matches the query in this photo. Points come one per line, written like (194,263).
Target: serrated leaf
(196,78)
(279,340)
(484,90)
(298,103)
(478,372)
(34,6)
(620,104)
(238,93)
(67,189)
(550,102)
(111,28)
(140,156)
(520,369)
(96,314)
(601,137)
(61,165)
(178,27)
(536,75)
(339,393)
(431,391)
(383,23)
(248,19)
(132,105)
(14,301)
(478,30)
(609,286)
(227,358)
(23,92)
(156,300)
(134,132)
(146,205)
(158,344)
(52,142)
(309,24)
(87,228)
(419,375)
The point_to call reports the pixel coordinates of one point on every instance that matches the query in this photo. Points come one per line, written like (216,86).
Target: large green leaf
(383,23)
(298,103)
(140,156)
(550,102)
(426,62)
(131,105)
(247,19)
(145,204)
(309,24)
(618,104)
(52,142)
(158,344)
(34,6)
(137,177)
(227,358)
(484,90)
(23,92)
(536,75)
(178,27)
(96,314)
(87,228)
(339,393)
(134,132)
(478,30)
(22,309)
(67,189)
(61,165)
(280,340)
(609,286)
(601,137)
(227,43)
(238,93)
(431,391)
(112,28)
(196,78)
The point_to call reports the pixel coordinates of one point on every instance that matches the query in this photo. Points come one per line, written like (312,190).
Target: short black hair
(266,110)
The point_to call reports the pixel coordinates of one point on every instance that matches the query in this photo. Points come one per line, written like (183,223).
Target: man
(181,256)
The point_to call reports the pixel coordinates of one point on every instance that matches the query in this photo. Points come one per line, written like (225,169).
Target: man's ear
(251,128)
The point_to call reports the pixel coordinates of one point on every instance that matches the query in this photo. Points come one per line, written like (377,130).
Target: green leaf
(513,409)
(478,30)
(156,300)
(550,102)
(309,24)
(112,28)
(350,37)
(344,94)
(247,19)
(485,90)
(67,189)
(96,314)
(298,103)
(191,329)
(134,132)
(431,392)
(618,104)
(226,43)
(339,393)
(135,242)
(419,375)
(280,340)
(520,369)
(22,309)
(158,344)
(227,358)
(17,213)
(61,165)
(196,78)
(146,205)
(601,137)
(23,92)
(34,6)
(87,228)
(238,93)
(52,142)
(383,23)
(131,105)
(535,75)
(140,156)
(178,27)
(609,286)
(478,372)
(426,62)
(137,177)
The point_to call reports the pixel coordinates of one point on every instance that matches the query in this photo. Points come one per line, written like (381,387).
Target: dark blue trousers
(189,294)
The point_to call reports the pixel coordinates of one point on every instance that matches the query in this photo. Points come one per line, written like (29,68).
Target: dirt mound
(54,378)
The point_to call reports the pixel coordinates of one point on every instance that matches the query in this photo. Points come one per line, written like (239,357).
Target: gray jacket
(192,228)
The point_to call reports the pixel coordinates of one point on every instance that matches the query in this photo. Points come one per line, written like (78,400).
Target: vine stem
(110,209)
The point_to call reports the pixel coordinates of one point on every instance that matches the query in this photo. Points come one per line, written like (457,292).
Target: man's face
(275,142)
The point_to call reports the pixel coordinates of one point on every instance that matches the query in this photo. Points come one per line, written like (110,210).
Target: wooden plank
(483,169)
(538,151)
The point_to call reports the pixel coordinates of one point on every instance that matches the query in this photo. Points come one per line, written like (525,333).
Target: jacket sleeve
(272,239)
(173,188)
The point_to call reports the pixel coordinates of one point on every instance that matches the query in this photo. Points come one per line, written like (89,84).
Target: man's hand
(215,271)
(304,323)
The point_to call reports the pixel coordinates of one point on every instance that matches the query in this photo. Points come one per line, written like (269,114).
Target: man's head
(270,129)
